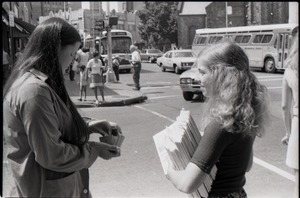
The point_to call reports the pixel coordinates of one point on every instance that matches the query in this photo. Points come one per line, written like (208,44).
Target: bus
(121,41)
(266,46)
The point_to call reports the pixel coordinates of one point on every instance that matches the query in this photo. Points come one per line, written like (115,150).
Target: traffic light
(99,25)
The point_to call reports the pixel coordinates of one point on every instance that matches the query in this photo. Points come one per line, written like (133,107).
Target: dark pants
(116,70)
(136,74)
(71,73)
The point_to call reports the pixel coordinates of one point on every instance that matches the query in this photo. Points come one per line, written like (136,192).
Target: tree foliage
(158,22)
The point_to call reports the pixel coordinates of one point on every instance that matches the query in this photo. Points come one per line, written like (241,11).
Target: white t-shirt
(95,66)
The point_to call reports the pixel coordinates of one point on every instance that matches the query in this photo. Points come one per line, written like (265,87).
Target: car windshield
(184,54)
(154,51)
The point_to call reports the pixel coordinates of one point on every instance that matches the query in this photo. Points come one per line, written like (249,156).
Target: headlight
(185,81)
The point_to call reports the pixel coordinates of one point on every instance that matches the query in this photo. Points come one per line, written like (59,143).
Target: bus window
(202,40)
(238,38)
(286,41)
(214,39)
(245,39)
(228,37)
(267,38)
(275,43)
(258,38)
(280,42)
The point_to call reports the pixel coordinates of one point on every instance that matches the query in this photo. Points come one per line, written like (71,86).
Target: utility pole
(226,16)
(110,74)
(11,25)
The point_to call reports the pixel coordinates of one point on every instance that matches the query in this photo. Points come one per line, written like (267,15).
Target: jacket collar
(39,74)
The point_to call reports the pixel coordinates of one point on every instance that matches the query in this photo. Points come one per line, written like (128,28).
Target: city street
(138,173)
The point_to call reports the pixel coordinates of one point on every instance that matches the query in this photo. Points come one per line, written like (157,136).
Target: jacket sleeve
(41,124)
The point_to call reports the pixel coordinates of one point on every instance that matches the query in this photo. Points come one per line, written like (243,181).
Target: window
(258,38)
(238,38)
(245,39)
(267,38)
(214,39)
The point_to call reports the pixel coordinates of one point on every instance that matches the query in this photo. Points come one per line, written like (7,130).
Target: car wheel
(177,70)
(202,97)
(188,96)
(269,65)
(163,69)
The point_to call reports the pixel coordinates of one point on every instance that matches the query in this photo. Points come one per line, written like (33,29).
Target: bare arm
(286,107)
(187,180)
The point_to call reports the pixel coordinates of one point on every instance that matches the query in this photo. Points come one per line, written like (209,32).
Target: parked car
(150,55)
(190,84)
(177,60)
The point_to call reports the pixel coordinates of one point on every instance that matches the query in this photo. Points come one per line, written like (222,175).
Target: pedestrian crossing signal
(99,25)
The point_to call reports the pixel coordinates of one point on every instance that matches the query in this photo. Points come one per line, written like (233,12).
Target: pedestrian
(83,82)
(236,112)
(115,66)
(96,70)
(50,148)
(5,66)
(19,52)
(137,66)
(71,70)
(290,108)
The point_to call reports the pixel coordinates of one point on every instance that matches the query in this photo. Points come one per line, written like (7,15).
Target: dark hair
(41,53)
(96,53)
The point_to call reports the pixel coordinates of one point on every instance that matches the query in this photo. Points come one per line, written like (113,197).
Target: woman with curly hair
(290,108)
(236,112)
(50,151)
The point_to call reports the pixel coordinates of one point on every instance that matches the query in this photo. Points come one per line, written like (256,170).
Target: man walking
(137,66)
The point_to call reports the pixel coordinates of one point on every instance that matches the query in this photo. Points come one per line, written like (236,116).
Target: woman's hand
(107,151)
(285,139)
(104,127)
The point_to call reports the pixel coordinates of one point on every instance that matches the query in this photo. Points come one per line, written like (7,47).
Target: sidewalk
(115,94)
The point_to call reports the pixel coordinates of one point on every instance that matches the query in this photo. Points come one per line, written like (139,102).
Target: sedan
(177,60)
(151,55)
(190,84)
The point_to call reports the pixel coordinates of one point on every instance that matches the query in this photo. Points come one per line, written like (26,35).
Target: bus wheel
(269,65)
(163,69)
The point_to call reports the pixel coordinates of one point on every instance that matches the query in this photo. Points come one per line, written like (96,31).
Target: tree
(158,22)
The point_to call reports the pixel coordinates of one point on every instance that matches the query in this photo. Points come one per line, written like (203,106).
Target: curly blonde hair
(238,101)
(292,60)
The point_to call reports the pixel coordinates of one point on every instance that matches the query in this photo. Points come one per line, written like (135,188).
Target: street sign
(99,25)
(11,19)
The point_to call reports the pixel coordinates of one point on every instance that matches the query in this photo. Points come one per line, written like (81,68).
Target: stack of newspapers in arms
(177,143)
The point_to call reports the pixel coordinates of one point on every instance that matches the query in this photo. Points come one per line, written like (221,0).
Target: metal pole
(226,14)
(12,55)
(110,74)
(93,26)
(100,30)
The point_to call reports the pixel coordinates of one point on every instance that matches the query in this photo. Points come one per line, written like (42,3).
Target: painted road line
(160,97)
(274,87)
(274,169)
(269,80)
(255,159)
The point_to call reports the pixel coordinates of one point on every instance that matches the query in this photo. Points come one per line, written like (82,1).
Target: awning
(18,34)
(27,26)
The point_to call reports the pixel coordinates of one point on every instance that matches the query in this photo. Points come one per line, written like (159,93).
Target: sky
(112,5)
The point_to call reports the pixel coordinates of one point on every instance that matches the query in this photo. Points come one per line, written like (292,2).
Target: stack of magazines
(177,143)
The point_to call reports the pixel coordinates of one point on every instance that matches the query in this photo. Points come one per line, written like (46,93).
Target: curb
(125,102)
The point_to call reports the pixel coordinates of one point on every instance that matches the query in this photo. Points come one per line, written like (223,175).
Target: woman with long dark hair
(50,149)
